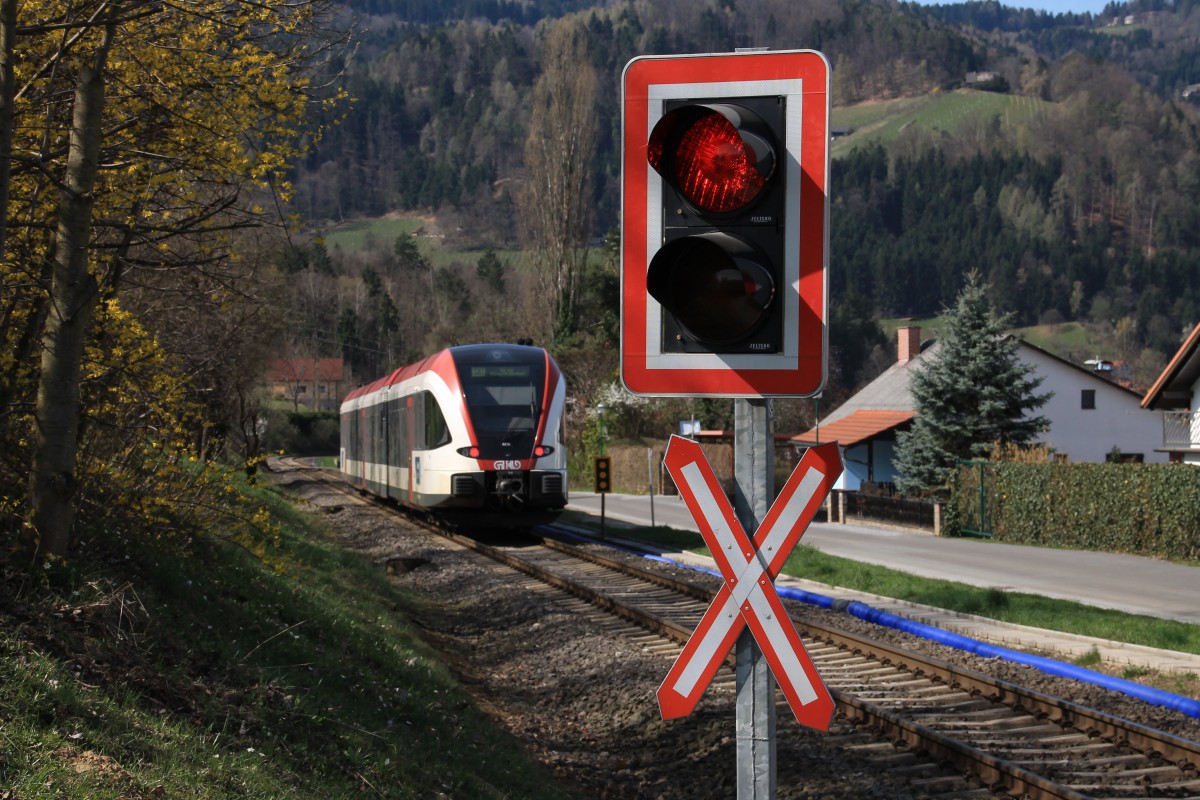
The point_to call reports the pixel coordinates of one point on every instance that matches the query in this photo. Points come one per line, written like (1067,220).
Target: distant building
(980,77)
(315,383)
(1176,394)
(1091,418)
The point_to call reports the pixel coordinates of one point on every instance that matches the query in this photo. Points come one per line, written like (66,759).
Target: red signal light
(716,165)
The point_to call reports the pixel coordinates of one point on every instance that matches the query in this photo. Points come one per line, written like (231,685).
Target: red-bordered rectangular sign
(799,369)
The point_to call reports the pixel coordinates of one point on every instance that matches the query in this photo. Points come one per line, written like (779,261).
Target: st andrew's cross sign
(748,596)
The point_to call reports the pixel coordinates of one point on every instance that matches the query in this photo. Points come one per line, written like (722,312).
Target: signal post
(724,250)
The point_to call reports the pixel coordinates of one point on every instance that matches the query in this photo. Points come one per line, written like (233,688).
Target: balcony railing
(1181,429)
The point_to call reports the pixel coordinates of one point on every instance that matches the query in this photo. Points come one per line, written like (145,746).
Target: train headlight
(470,452)
(542,450)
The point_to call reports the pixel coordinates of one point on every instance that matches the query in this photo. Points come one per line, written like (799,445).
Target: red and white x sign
(748,596)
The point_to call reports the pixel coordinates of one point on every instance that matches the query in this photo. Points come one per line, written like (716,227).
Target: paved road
(1129,583)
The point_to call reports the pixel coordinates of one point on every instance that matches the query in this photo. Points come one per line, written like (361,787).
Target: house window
(1087,399)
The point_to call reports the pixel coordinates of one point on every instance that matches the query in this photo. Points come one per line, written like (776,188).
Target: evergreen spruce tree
(970,394)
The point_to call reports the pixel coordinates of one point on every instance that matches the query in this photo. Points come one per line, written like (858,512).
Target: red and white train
(473,434)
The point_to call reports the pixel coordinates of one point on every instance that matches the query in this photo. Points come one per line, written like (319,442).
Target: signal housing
(723,221)
(717,273)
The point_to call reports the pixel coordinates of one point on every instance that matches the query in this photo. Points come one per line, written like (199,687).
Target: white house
(1091,418)
(1176,394)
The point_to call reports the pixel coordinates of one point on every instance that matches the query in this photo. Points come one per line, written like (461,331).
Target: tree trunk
(73,294)
(556,202)
(8,38)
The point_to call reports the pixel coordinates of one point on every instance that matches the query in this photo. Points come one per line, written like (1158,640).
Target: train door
(416,422)
(385,463)
(409,422)
(396,456)
(363,452)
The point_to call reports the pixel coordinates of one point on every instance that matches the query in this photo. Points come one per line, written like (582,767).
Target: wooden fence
(903,511)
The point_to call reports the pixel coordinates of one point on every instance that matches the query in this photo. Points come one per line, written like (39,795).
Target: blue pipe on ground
(1050,666)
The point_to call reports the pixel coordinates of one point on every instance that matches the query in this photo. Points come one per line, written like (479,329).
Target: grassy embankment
(213,675)
(1022,609)
(885,121)
(380,233)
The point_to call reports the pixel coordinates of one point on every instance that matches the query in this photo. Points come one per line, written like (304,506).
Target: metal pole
(603,533)
(650,478)
(754,489)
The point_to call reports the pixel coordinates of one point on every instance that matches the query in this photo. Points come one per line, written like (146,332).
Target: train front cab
(513,399)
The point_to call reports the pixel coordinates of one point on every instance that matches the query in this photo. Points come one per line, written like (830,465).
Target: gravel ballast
(580,691)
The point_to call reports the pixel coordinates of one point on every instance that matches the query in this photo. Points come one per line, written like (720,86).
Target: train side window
(396,431)
(374,443)
(402,424)
(437,433)
(345,433)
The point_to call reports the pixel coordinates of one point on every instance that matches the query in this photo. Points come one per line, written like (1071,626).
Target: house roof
(887,401)
(856,427)
(287,370)
(891,391)
(1173,389)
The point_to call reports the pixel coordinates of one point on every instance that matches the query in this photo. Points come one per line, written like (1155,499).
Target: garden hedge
(1144,509)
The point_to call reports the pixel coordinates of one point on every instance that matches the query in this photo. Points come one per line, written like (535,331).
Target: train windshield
(504,390)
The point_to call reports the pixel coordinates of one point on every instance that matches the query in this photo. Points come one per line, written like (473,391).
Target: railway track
(1013,740)
(955,732)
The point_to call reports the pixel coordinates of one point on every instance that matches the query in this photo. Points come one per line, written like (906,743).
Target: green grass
(370,234)
(213,675)
(1064,338)
(378,234)
(1015,607)
(1118,30)
(948,112)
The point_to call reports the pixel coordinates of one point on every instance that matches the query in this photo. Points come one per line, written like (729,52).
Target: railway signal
(725,163)
(602,472)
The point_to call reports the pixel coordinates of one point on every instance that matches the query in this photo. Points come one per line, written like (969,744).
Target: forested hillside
(1154,40)
(428,174)
(1086,209)
(441,111)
